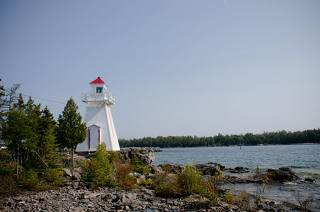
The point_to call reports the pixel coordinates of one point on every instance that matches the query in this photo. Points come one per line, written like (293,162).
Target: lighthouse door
(93,136)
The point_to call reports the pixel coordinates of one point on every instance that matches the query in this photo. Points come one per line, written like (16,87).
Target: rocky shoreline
(76,196)
(107,199)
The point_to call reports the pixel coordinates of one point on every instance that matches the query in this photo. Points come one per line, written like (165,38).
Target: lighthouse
(100,127)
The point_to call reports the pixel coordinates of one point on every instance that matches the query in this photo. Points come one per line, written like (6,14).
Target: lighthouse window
(99,89)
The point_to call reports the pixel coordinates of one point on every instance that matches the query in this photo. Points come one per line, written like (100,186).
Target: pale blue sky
(176,67)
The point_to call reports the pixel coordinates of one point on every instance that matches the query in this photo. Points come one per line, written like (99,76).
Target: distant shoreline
(248,139)
(229,146)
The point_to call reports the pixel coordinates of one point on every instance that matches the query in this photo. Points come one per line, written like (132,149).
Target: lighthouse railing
(98,97)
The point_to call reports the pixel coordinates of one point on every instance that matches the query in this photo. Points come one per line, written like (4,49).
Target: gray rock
(89,195)
(75,184)
(145,155)
(71,192)
(155,169)
(76,209)
(67,172)
(282,174)
(209,168)
(128,198)
(147,191)
(240,169)
(307,179)
(76,174)
(107,199)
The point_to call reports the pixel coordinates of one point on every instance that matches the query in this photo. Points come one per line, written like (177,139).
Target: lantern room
(98,86)
(99,93)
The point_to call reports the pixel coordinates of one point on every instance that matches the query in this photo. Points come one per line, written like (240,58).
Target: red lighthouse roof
(97,81)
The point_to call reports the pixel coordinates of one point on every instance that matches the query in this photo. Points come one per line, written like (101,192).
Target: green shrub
(165,185)
(210,191)
(8,184)
(190,181)
(7,165)
(7,169)
(230,197)
(146,183)
(53,177)
(30,180)
(210,187)
(122,175)
(5,156)
(99,170)
(113,155)
(52,159)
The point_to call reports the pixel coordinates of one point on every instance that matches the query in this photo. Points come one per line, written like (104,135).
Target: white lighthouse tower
(98,119)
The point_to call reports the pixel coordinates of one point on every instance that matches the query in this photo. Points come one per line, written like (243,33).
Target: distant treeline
(281,137)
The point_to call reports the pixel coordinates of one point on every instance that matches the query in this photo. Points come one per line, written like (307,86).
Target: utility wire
(42,99)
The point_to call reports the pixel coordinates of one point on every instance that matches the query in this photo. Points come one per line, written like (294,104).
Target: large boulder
(67,172)
(282,174)
(196,201)
(209,168)
(145,155)
(76,173)
(239,169)
(155,169)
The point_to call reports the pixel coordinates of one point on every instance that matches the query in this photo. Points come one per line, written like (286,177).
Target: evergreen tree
(70,131)
(41,143)
(2,102)
(19,105)
(29,135)
(33,113)
(15,130)
(47,137)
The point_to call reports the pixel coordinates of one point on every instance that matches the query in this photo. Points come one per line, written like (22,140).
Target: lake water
(299,156)
(304,160)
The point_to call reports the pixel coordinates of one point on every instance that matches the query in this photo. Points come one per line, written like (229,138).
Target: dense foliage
(187,182)
(98,171)
(70,130)
(105,169)
(29,160)
(29,149)
(281,137)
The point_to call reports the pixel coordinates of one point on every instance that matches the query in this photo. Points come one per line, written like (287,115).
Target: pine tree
(15,130)
(2,102)
(70,131)
(33,113)
(46,140)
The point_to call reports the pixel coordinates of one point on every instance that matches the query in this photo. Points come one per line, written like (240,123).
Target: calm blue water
(296,156)
(304,160)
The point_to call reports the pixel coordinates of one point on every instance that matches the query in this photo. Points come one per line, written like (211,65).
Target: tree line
(31,140)
(248,139)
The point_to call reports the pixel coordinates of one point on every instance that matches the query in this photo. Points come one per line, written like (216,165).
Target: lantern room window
(99,90)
